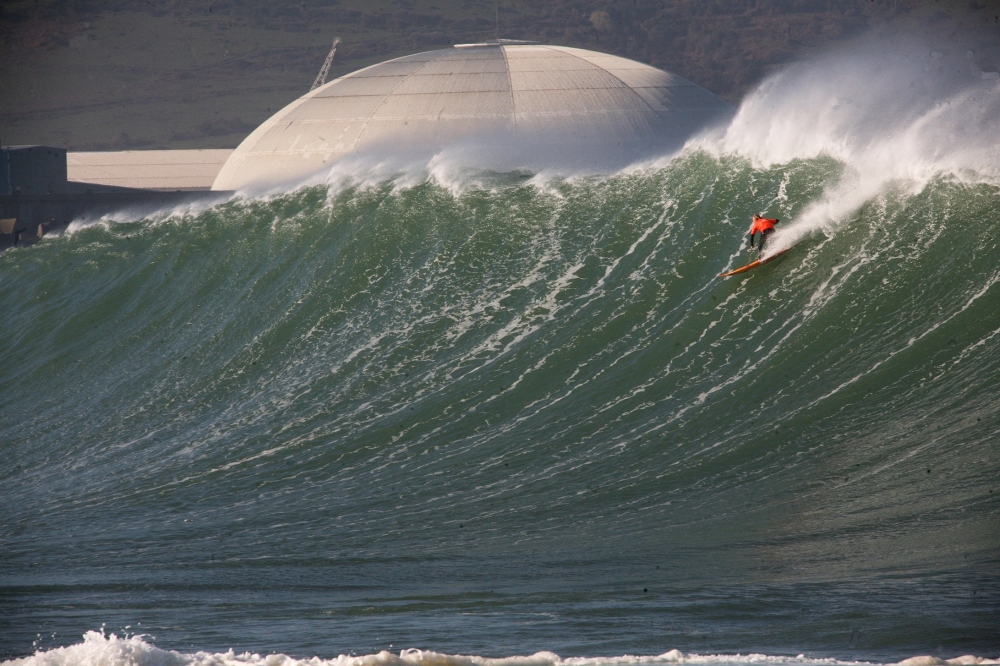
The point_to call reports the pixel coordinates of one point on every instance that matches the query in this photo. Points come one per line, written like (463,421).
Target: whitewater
(426,406)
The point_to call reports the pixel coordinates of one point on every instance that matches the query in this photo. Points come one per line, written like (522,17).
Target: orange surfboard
(754,264)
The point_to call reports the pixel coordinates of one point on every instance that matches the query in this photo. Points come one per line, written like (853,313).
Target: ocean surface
(405,412)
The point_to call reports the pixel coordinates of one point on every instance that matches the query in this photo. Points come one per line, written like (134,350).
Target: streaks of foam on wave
(993,279)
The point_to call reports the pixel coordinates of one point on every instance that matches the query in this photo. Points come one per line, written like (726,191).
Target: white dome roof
(437,97)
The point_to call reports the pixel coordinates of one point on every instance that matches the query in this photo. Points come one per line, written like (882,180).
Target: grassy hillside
(88,74)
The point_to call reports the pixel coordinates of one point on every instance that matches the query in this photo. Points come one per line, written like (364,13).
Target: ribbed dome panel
(529,92)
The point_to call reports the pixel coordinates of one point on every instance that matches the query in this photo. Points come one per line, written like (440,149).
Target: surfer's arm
(751,239)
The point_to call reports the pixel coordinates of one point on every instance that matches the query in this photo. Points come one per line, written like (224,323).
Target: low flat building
(161,170)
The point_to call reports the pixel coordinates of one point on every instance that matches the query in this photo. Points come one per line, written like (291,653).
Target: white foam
(153,213)
(475,163)
(99,649)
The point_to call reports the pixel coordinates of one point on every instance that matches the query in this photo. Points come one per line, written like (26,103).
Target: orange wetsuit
(762,224)
(766,227)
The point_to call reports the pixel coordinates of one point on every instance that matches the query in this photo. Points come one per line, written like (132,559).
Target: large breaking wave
(408,397)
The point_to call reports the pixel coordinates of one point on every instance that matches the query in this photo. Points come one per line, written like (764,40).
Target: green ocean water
(508,413)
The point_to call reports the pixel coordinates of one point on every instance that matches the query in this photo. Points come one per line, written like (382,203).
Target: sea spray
(893,112)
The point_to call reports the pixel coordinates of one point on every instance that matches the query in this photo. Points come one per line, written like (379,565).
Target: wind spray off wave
(892,113)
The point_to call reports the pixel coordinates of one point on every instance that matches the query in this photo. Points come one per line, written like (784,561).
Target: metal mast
(321,77)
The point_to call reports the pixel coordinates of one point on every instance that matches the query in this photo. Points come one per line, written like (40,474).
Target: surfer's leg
(763,241)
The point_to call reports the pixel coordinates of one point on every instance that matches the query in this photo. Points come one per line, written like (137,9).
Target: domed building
(530,94)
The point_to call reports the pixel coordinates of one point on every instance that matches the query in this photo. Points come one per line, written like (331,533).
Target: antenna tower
(325,69)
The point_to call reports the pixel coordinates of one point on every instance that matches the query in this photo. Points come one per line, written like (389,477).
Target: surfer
(766,227)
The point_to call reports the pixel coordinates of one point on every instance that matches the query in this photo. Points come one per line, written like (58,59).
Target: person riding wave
(766,227)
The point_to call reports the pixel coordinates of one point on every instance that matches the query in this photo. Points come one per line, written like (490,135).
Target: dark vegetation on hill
(116,74)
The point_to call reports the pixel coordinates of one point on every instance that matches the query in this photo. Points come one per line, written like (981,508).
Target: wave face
(502,413)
